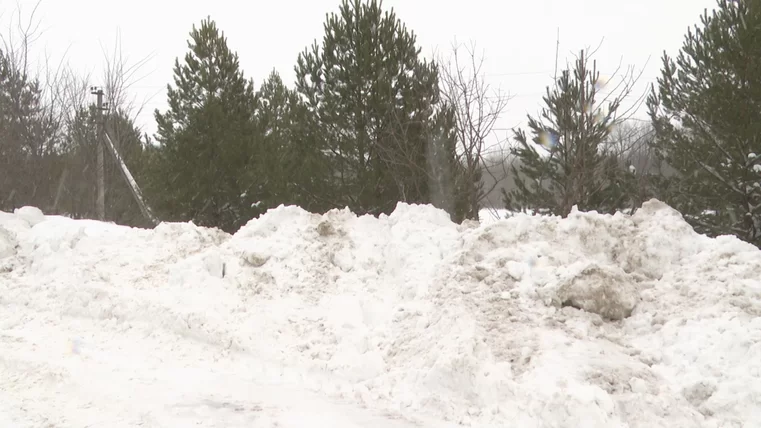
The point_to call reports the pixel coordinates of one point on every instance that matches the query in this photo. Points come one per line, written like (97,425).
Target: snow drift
(404,320)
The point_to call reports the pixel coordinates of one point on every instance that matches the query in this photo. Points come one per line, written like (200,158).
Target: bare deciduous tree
(631,143)
(477,108)
(41,103)
(119,77)
(28,130)
(628,145)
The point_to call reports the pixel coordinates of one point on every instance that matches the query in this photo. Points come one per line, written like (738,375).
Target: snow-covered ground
(301,320)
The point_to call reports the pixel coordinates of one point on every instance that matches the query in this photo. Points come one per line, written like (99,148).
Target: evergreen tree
(573,170)
(291,166)
(375,110)
(208,139)
(707,120)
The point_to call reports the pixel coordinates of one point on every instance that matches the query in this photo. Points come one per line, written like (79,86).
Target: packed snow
(407,320)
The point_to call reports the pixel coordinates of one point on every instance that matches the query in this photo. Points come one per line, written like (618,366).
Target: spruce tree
(708,122)
(564,164)
(208,138)
(374,105)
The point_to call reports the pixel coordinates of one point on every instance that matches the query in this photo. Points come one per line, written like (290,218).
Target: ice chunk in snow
(7,243)
(603,291)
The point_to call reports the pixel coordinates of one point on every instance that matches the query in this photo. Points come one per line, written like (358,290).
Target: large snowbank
(301,320)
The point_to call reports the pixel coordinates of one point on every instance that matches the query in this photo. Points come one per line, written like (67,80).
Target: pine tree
(291,166)
(572,170)
(208,138)
(707,117)
(375,107)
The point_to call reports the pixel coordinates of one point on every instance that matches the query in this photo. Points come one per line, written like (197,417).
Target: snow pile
(407,320)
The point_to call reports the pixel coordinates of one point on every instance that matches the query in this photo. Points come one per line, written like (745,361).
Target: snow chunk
(31,215)
(188,237)
(214,264)
(603,291)
(699,392)
(7,243)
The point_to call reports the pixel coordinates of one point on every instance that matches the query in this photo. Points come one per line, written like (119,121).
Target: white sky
(518,37)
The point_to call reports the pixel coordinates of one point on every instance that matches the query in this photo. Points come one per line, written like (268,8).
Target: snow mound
(403,320)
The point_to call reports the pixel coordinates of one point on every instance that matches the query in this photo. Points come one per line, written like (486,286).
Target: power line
(549,74)
(519,73)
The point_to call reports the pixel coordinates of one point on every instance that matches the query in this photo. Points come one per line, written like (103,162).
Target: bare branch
(477,108)
(119,77)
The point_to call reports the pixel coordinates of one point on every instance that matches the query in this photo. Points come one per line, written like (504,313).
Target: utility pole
(105,142)
(100,204)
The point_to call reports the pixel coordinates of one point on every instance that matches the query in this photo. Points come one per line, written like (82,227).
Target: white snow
(490,215)
(302,320)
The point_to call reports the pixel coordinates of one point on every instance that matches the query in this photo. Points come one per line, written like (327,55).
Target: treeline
(48,137)
(370,122)
(365,125)
(705,119)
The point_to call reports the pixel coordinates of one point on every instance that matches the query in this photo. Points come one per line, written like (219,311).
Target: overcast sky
(518,37)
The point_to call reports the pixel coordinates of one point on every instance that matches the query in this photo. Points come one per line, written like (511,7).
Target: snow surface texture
(302,320)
